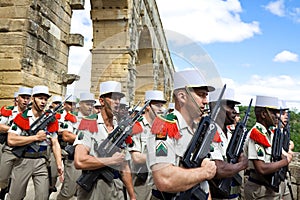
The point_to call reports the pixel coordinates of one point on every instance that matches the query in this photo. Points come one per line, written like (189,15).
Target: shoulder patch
(161,150)
(259,137)
(166,125)
(260,152)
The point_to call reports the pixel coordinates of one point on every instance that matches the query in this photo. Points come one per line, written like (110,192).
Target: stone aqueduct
(129,46)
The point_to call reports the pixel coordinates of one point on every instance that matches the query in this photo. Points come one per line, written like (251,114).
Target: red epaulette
(259,137)
(53,126)
(217,138)
(137,128)
(6,111)
(22,121)
(163,125)
(58,116)
(70,117)
(89,123)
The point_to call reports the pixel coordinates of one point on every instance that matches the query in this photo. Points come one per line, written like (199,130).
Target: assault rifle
(40,124)
(276,154)
(199,148)
(233,152)
(112,144)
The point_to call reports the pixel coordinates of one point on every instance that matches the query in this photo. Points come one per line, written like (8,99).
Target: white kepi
(154,95)
(56,99)
(227,96)
(24,91)
(266,101)
(87,96)
(190,78)
(111,87)
(282,105)
(40,89)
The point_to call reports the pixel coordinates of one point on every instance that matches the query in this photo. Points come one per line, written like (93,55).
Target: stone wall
(294,168)
(34,44)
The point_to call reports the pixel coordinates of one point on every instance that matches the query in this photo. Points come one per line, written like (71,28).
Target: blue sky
(254,45)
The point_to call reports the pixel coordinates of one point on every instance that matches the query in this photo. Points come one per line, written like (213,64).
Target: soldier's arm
(4,128)
(14,139)
(138,157)
(57,154)
(67,136)
(267,168)
(82,159)
(170,178)
(127,180)
(226,170)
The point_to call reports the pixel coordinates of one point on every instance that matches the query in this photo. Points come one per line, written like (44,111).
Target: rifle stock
(112,144)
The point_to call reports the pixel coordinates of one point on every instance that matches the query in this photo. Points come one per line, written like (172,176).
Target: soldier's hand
(243,160)
(60,170)
(41,136)
(287,155)
(210,168)
(118,158)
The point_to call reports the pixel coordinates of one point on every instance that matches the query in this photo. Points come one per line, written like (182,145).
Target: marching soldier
(142,180)
(69,133)
(226,116)
(7,158)
(259,148)
(171,137)
(33,164)
(92,132)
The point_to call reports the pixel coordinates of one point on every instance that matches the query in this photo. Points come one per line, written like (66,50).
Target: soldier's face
(86,107)
(69,106)
(40,101)
(200,96)
(155,108)
(23,101)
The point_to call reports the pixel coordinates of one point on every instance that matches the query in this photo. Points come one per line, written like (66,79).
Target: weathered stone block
(10,64)
(14,78)
(77,4)
(75,40)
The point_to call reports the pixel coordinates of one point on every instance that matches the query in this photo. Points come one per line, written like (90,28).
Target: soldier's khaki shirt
(219,148)
(17,130)
(174,149)
(140,140)
(93,140)
(256,151)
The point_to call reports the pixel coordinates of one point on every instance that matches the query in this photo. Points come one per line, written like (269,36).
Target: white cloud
(286,56)
(276,7)
(284,87)
(207,21)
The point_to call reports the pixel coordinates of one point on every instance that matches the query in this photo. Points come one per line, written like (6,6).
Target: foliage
(294,124)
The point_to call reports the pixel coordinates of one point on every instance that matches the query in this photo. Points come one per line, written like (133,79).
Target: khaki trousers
(7,163)
(69,186)
(102,191)
(22,172)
